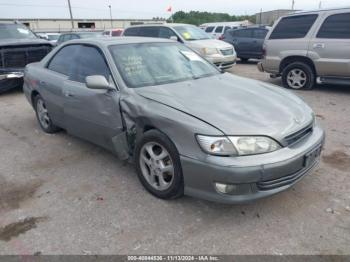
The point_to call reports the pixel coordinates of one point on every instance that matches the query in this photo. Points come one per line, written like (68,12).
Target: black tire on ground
(176,188)
(244,60)
(50,128)
(306,72)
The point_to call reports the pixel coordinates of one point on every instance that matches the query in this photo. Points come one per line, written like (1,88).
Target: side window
(245,33)
(259,33)
(293,27)
(89,61)
(63,60)
(74,37)
(209,29)
(234,33)
(336,27)
(133,31)
(152,31)
(227,28)
(219,29)
(165,32)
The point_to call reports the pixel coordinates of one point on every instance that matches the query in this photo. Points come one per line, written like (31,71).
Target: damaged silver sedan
(189,128)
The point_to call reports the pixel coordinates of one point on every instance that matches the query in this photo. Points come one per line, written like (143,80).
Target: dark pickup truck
(18,47)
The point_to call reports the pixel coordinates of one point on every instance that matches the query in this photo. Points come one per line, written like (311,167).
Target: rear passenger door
(52,81)
(330,47)
(91,114)
(243,42)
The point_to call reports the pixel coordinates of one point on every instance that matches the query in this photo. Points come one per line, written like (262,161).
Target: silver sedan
(189,128)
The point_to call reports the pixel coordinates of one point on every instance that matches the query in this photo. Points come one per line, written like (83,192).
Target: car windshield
(191,33)
(90,35)
(150,64)
(53,37)
(15,31)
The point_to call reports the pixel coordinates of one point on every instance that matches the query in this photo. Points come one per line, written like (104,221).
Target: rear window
(209,29)
(336,27)
(132,31)
(259,33)
(293,27)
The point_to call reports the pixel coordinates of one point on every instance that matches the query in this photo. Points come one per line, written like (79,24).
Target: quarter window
(219,29)
(336,27)
(209,29)
(293,27)
(89,61)
(63,60)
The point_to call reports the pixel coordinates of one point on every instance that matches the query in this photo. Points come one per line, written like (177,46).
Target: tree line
(198,18)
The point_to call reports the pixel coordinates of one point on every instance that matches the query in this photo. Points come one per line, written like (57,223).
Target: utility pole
(110,14)
(293,3)
(260,17)
(71,14)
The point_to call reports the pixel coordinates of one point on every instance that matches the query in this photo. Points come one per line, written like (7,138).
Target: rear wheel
(43,116)
(298,75)
(158,165)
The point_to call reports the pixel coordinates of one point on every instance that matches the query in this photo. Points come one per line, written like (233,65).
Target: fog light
(225,188)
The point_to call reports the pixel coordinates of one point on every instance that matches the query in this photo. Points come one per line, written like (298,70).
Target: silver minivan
(222,54)
(306,48)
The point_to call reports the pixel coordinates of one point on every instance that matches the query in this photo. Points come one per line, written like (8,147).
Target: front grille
(19,57)
(297,136)
(226,52)
(284,181)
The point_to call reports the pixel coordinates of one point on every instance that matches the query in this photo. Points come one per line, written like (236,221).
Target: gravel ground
(61,195)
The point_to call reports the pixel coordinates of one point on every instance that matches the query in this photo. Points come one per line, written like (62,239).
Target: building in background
(269,17)
(64,25)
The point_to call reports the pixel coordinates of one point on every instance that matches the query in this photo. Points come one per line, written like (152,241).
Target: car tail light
(264,51)
(222,37)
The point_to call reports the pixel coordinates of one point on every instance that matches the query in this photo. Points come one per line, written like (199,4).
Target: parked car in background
(77,35)
(18,47)
(217,30)
(53,37)
(113,32)
(189,128)
(309,47)
(218,52)
(248,42)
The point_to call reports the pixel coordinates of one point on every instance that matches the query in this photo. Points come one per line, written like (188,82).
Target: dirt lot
(60,195)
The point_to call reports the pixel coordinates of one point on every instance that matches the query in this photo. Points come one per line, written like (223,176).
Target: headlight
(214,145)
(209,51)
(254,145)
(237,146)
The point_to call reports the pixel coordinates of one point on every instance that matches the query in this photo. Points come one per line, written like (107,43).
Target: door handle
(68,94)
(318,46)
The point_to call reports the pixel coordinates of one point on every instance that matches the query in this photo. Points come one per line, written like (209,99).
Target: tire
(298,76)
(244,60)
(149,172)
(45,122)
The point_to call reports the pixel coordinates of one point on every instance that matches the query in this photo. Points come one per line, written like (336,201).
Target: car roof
(319,11)
(108,41)
(158,25)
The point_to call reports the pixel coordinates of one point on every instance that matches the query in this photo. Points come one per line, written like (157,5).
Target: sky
(124,9)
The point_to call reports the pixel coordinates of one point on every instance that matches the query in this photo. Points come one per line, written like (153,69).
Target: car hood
(209,43)
(22,42)
(235,105)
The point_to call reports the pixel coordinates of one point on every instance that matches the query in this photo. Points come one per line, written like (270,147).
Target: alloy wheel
(296,78)
(43,114)
(157,167)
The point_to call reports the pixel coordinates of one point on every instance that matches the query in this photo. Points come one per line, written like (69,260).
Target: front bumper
(11,75)
(10,79)
(254,177)
(223,62)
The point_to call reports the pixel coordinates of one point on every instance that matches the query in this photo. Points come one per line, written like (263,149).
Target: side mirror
(98,82)
(174,38)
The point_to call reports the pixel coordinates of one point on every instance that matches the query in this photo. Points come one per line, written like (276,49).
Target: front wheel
(158,165)
(298,75)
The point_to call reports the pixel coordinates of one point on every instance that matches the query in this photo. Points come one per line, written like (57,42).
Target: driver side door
(91,114)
